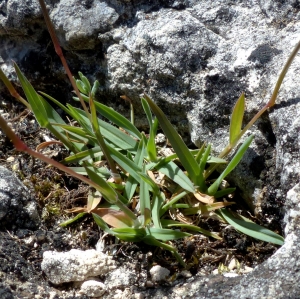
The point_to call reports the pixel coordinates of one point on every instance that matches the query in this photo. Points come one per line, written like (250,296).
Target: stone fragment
(79,24)
(17,206)
(121,277)
(159,273)
(75,265)
(92,288)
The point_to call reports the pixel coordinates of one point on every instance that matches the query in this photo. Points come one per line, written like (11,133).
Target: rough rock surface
(93,288)
(75,265)
(194,58)
(18,208)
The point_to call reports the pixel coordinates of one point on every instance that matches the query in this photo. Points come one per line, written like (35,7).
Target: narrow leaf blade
(165,234)
(172,171)
(237,118)
(118,119)
(232,164)
(145,206)
(186,158)
(70,221)
(251,229)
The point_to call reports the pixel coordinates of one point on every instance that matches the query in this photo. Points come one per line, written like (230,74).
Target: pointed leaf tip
(236,119)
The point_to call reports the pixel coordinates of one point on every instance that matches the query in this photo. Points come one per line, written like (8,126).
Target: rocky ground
(27,233)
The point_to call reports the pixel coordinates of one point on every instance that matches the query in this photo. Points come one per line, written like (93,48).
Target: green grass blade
(118,119)
(232,164)
(148,113)
(151,146)
(251,229)
(59,104)
(130,234)
(131,183)
(134,170)
(153,185)
(165,234)
(82,118)
(101,142)
(157,202)
(95,87)
(72,220)
(117,137)
(43,111)
(103,172)
(216,160)
(104,188)
(172,171)
(173,223)
(86,83)
(200,153)
(194,153)
(110,194)
(202,164)
(111,133)
(173,201)
(34,99)
(236,119)
(125,163)
(224,192)
(92,153)
(204,159)
(101,223)
(148,239)
(81,86)
(77,134)
(145,206)
(186,158)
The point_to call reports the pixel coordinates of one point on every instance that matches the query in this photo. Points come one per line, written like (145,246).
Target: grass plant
(135,191)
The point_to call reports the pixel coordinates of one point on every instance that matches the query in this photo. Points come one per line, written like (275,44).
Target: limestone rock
(92,288)
(75,265)
(121,277)
(159,273)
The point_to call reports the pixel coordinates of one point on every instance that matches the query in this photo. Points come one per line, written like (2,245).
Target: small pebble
(159,273)
(10,159)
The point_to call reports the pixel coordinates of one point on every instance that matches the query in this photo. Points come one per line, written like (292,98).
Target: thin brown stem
(271,103)
(12,90)
(59,52)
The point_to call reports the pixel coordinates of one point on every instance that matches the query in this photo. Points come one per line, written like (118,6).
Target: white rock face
(75,265)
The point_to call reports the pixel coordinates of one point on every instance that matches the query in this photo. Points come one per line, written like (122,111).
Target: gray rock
(17,206)
(80,22)
(17,17)
(121,277)
(75,265)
